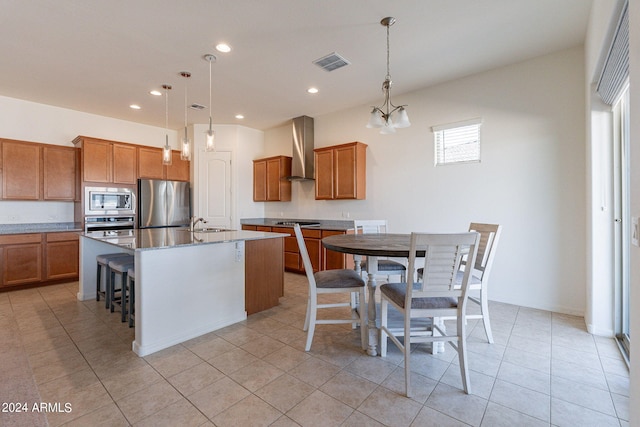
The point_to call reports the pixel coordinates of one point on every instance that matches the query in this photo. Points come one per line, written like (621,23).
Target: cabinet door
(60,170)
(62,260)
(273,180)
(324,174)
(345,172)
(332,260)
(96,160)
(260,181)
(20,170)
(150,163)
(178,170)
(124,164)
(22,263)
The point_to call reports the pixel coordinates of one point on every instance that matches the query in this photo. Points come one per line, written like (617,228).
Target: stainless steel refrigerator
(163,203)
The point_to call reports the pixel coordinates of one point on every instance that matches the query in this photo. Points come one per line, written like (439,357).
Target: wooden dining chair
(480,272)
(386,267)
(437,295)
(345,281)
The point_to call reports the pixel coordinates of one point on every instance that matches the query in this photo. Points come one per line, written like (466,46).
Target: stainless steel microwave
(109,201)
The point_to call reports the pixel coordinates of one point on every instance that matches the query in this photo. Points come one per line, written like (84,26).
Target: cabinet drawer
(16,239)
(63,236)
(290,244)
(287,230)
(313,233)
(262,228)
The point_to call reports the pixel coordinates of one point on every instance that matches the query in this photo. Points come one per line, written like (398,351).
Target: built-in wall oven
(109,209)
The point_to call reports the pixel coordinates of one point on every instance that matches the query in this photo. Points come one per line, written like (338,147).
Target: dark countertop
(40,227)
(325,224)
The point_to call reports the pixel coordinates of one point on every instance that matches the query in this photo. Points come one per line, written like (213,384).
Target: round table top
(393,245)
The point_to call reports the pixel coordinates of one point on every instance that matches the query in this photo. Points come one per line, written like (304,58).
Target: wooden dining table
(372,246)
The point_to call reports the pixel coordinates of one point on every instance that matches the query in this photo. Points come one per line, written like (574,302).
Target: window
(457,142)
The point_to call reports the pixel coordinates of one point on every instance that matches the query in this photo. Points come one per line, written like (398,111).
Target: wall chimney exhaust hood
(302,167)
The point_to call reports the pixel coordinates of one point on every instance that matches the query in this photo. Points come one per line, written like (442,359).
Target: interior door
(214,192)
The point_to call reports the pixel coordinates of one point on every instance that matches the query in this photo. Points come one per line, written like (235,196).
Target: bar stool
(103,261)
(120,266)
(131,291)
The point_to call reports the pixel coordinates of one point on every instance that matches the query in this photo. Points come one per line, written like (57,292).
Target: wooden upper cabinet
(60,169)
(150,163)
(341,171)
(269,179)
(97,158)
(124,164)
(178,170)
(21,170)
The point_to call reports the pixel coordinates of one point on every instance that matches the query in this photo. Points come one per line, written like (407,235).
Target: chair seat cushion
(385,265)
(338,279)
(397,292)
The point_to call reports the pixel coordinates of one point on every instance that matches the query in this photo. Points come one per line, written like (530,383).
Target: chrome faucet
(194,221)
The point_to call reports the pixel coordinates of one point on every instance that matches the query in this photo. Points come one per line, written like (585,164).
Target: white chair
(331,282)
(386,267)
(479,283)
(438,295)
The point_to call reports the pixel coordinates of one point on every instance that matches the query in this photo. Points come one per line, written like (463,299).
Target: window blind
(457,142)
(616,67)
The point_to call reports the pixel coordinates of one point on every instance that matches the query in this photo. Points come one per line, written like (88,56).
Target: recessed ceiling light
(312,90)
(134,106)
(239,116)
(223,47)
(156,93)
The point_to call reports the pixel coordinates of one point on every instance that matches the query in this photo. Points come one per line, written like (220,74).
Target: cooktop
(301,223)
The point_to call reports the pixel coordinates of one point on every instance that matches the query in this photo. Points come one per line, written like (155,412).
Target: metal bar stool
(103,261)
(131,291)
(120,266)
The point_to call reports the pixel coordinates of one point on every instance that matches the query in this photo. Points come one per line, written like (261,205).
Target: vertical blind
(616,67)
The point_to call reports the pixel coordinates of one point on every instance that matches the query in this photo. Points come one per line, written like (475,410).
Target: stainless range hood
(302,167)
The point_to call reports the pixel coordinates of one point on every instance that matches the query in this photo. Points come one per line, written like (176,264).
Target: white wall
(33,122)
(531,178)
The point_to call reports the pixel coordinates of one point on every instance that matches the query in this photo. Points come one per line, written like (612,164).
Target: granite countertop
(40,227)
(325,224)
(164,238)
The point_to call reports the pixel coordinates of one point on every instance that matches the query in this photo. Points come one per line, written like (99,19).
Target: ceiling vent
(331,62)
(195,106)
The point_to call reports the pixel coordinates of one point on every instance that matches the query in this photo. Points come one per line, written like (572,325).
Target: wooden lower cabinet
(264,274)
(38,258)
(321,258)
(21,259)
(62,256)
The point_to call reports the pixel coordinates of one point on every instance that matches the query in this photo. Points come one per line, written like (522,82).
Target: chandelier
(383,116)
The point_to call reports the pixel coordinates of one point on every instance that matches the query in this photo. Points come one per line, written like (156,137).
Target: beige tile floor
(544,369)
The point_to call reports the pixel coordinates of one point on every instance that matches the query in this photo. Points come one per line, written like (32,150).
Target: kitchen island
(189,283)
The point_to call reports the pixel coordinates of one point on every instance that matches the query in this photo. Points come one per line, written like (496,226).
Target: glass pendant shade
(185,151)
(402,119)
(388,128)
(166,152)
(211,140)
(375,120)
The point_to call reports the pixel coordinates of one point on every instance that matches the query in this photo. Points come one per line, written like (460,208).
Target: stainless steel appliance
(163,203)
(107,201)
(108,223)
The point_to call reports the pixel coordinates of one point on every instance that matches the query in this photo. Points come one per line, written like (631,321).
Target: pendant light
(185,147)
(381,117)
(166,150)
(211,135)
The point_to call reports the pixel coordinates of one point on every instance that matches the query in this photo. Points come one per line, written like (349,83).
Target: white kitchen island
(186,283)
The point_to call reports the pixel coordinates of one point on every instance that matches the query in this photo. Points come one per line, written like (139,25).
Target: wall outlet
(635,231)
